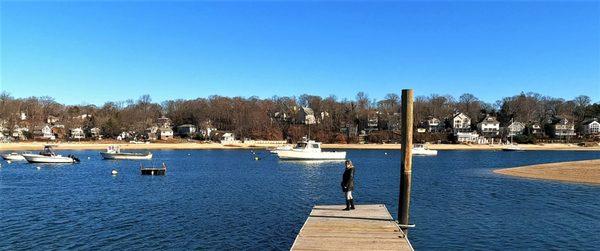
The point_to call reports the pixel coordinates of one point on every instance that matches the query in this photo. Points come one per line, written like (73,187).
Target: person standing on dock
(348,185)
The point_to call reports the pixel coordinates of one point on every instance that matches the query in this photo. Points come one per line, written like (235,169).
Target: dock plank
(369,227)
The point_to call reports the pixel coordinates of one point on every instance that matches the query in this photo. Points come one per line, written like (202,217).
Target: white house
(489,126)
(229,138)
(515,128)
(591,127)
(44,132)
(306,116)
(165,133)
(561,127)
(470,137)
(19,132)
(77,133)
(461,122)
(187,129)
(96,133)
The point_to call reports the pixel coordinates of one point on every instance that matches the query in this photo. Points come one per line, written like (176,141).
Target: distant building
(591,127)
(460,123)
(77,133)
(559,127)
(165,133)
(229,138)
(43,132)
(306,116)
(186,129)
(470,137)
(52,120)
(432,124)
(163,122)
(19,132)
(536,129)
(489,126)
(95,133)
(59,131)
(515,128)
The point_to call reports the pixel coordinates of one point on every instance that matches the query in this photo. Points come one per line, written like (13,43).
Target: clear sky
(92,52)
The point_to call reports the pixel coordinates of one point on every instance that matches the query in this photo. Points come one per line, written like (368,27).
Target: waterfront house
(460,122)
(470,138)
(186,130)
(591,127)
(52,120)
(560,127)
(306,116)
(77,133)
(515,128)
(43,132)
(536,129)
(229,138)
(95,133)
(433,124)
(165,133)
(19,132)
(163,122)
(489,126)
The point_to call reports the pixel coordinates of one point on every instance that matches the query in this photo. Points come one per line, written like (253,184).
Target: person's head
(349,164)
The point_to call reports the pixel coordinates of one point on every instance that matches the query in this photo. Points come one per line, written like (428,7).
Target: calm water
(226,200)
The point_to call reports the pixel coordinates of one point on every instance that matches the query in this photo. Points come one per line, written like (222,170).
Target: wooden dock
(369,227)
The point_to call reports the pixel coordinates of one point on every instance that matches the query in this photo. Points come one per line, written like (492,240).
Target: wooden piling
(406,159)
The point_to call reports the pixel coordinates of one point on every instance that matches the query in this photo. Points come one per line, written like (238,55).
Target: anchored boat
(48,156)
(13,156)
(114,152)
(422,150)
(309,150)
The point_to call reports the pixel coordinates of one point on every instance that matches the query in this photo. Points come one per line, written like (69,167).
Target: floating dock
(368,227)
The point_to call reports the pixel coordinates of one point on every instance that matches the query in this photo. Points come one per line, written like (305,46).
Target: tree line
(275,118)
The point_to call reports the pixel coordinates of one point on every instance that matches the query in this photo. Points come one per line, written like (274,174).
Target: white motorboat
(114,152)
(512,147)
(281,149)
(13,156)
(48,156)
(422,150)
(310,150)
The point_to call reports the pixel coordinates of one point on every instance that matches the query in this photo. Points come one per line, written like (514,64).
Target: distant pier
(368,227)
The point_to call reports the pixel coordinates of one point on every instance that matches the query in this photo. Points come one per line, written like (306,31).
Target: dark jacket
(348,180)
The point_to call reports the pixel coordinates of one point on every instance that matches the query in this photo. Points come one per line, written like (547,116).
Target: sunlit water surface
(224,199)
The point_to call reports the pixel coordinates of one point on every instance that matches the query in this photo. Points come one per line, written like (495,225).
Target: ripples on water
(226,200)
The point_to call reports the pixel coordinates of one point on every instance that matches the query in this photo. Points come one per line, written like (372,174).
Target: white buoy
(114,172)
(8,161)
(385,153)
(89,158)
(38,168)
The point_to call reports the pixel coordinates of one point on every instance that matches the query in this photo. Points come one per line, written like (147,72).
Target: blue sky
(92,52)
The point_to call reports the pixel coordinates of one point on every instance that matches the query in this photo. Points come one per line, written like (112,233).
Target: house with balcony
(186,130)
(591,127)
(77,133)
(460,122)
(560,127)
(515,128)
(306,116)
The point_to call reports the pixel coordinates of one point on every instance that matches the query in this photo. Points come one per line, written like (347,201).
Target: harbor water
(225,199)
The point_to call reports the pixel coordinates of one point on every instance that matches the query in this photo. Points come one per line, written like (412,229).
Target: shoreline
(583,171)
(32,146)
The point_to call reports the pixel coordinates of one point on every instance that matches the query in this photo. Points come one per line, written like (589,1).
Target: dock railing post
(406,159)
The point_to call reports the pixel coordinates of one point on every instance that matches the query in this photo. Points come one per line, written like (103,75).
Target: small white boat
(310,150)
(114,152)
(48,156)
(13,156)
(422,150)
(281,149)
(512,147)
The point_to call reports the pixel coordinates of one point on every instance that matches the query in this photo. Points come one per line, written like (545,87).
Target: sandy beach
(101,145)
(586,171)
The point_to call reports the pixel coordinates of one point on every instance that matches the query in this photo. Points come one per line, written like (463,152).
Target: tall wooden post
(406,158)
